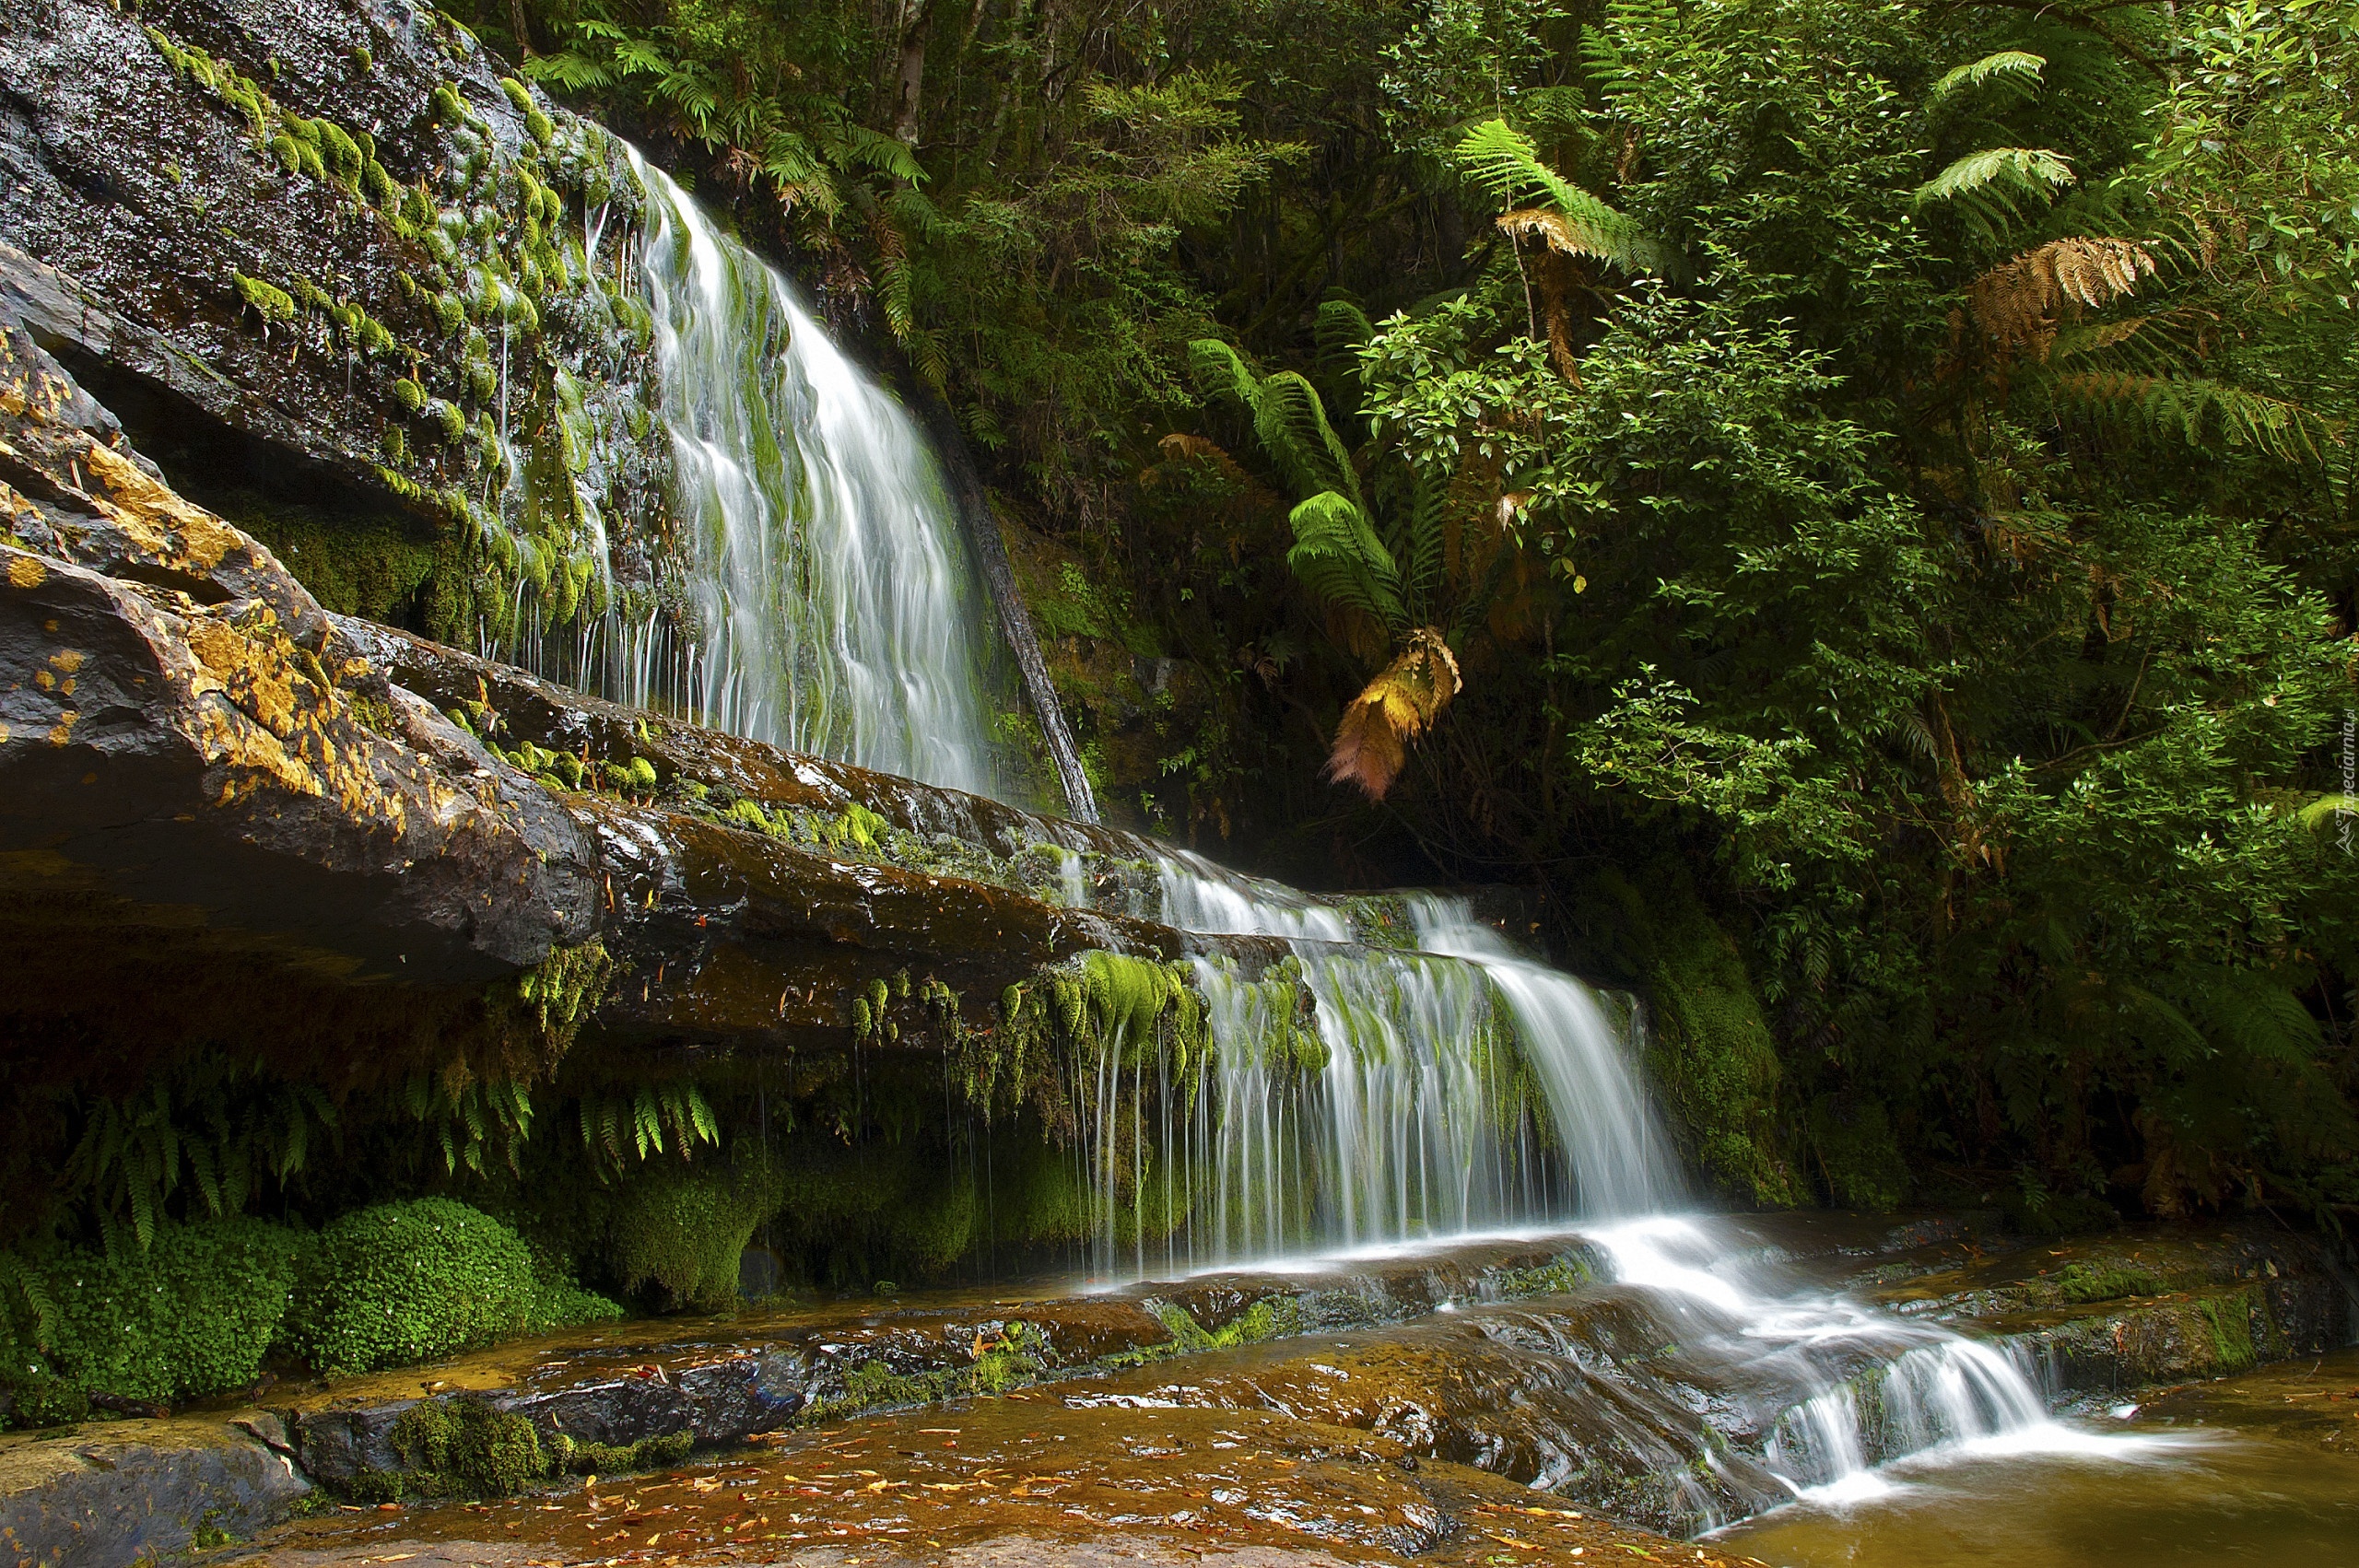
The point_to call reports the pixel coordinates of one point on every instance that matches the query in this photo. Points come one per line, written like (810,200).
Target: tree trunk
(908,77)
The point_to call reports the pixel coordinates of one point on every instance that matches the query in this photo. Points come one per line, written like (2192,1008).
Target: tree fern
(1339,558)
(1503,161)
(2031,168)
(2008,65)
(2198,410)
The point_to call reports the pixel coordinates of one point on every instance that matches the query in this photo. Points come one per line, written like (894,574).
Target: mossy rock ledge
(369,297)
(216,797)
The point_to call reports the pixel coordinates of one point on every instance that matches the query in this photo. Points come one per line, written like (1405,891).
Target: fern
(1288,417)
(1977,171)
(1339,558)
(2200,411)
(2020,303)
(2009,66)
(1503,161)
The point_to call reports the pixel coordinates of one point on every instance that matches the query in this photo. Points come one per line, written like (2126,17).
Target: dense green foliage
(1887,464)
(409,1282)
(195,1315)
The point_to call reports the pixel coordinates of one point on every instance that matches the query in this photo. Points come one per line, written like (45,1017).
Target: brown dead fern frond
(1401,702)
(2019,305)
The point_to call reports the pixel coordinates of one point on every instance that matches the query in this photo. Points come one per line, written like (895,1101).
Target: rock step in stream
(1434,1389)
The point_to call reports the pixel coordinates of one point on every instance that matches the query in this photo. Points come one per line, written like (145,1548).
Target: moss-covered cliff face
(366,297)
(318,914)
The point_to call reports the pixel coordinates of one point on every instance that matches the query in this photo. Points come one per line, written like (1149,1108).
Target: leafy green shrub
(192,1316)
(409,1282)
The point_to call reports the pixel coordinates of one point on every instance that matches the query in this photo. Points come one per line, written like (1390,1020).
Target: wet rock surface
(1265,1409)
(141,1491)
(154,249)
(200,759)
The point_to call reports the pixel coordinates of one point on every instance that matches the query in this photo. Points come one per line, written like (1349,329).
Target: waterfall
(1848,1388)
(1378,1089)
(832,610)
(1446,1089)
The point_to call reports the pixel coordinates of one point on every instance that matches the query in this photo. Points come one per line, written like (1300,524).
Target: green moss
(682,1229)
(355,563)
(449,110)
(2107,1281)
(1014,1359)
(2229,1317)
(404,1282)
(1709,1047)
(469,1448)
(614,1459)
(271,302)
(1552,1279)
(192,1316)
(556,996)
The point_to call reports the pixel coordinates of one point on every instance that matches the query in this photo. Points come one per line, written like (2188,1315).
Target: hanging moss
(681,1229)
(556,995)
(1709,1048)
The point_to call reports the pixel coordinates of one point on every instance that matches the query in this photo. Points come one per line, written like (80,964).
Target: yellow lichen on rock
(26,572)
(153,515)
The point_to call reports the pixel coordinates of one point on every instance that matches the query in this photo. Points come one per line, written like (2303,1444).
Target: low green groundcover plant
(192,1316)
(405,1282)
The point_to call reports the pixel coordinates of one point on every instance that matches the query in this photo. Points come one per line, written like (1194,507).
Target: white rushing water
(834,609)
(1447,1089)
(1860,1387)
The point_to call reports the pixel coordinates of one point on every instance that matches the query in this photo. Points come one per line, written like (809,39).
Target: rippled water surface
(2261,1468)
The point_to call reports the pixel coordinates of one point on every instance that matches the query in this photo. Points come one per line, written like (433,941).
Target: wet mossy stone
(467,1447)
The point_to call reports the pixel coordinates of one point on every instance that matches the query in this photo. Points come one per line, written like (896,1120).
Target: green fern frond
(2201,411)
(569,70)
(1503,160)
(2007,64)
(2028,166)
(858,146)
(1339,558)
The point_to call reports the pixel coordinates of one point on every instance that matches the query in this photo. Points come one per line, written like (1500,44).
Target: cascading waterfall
(1442,1090)
(1850,1388)
(833,608)
(829,605)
